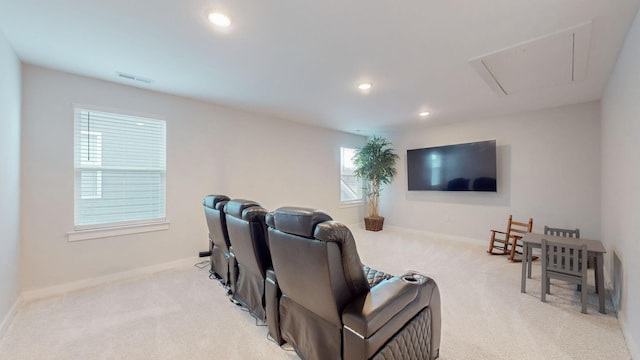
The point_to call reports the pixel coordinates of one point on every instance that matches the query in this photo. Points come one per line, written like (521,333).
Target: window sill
(81,235)
(348,204)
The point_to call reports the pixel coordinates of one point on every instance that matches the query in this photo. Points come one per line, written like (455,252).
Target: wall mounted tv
(460,167)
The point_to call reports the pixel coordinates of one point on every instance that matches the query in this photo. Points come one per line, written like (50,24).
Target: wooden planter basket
(373,223)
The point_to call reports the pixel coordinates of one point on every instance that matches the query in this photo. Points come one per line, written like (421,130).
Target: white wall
(9,180)
(621,183)
(210,149)
(548,169)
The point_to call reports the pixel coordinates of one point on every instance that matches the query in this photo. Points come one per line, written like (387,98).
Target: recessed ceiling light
(424,113)
(365,86)
(219,19)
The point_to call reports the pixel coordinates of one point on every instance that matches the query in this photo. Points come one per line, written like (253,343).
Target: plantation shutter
(120,169)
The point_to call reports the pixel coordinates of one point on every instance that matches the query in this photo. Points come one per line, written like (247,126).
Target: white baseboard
(634,350)
(125,275)
(432,234)
(358,225)
(608,284)
(4,325)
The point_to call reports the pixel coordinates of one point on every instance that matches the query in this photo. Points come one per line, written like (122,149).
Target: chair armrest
(498,231)
(372,310)
(374,318)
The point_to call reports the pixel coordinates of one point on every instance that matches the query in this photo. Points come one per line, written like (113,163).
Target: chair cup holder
(412,278)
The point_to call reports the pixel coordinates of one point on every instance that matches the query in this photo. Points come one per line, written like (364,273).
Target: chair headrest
(297,220)
(254,213)
(211,201)
(237,207)
(333,231)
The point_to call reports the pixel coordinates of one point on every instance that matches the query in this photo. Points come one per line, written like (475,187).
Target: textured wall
(210,149)
(620,184)
(9,180)
(548,169)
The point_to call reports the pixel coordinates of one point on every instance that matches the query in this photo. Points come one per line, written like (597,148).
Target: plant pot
(373,223)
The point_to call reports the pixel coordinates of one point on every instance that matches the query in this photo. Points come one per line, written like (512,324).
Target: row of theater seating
(299,271)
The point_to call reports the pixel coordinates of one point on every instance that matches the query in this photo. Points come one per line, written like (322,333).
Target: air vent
(135,78)
(551,60)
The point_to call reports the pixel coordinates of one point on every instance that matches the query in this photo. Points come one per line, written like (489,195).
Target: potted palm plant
(375,163)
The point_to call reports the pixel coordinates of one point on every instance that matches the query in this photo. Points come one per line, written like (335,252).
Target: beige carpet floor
(181,314)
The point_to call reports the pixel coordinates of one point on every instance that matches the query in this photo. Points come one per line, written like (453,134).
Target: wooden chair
(507,242)
(570,233)
(566,262)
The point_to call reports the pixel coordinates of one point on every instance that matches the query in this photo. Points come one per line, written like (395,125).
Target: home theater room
(217,179)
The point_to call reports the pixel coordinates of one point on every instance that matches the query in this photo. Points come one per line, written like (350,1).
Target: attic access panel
(551,60)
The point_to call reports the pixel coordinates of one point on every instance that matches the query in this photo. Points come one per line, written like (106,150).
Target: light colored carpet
(181,314)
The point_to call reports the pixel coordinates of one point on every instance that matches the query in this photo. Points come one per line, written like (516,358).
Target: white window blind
(120,169)
(350,186)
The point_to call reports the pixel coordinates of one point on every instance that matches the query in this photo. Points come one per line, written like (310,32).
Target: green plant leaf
(375,163)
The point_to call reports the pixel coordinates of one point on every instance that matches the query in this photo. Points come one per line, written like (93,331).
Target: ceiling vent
(134,77)
(551,60)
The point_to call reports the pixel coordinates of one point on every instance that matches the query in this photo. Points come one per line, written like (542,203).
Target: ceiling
(302,61)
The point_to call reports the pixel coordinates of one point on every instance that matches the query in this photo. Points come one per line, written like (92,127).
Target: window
(350,186)
(90,158)
(120,170)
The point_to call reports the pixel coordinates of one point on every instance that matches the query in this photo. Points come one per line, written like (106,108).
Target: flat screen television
(460,167)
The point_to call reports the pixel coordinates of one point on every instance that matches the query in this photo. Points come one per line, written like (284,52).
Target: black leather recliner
(320,300)
(247,234)
(223,264)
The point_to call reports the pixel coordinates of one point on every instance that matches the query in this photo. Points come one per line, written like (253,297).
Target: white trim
(100,280)
(4,325)
(608,284)
(77,106)
(631,344)
(360,225)
(351,203)
(80,235)
(433,234)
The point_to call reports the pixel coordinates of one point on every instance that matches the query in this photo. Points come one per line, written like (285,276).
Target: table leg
(529,259)
(595,273)
(600,282)
(525,256)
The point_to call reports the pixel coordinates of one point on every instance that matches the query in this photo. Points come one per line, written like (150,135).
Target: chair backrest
(247,235)
(316,261)
(568,259)
(517,228)
(216,221)
(562,232)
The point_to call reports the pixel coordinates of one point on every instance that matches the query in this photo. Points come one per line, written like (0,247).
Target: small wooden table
(595,250)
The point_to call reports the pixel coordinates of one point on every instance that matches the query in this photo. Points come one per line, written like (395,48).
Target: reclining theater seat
(327,308)
(247,234)
(222,263)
